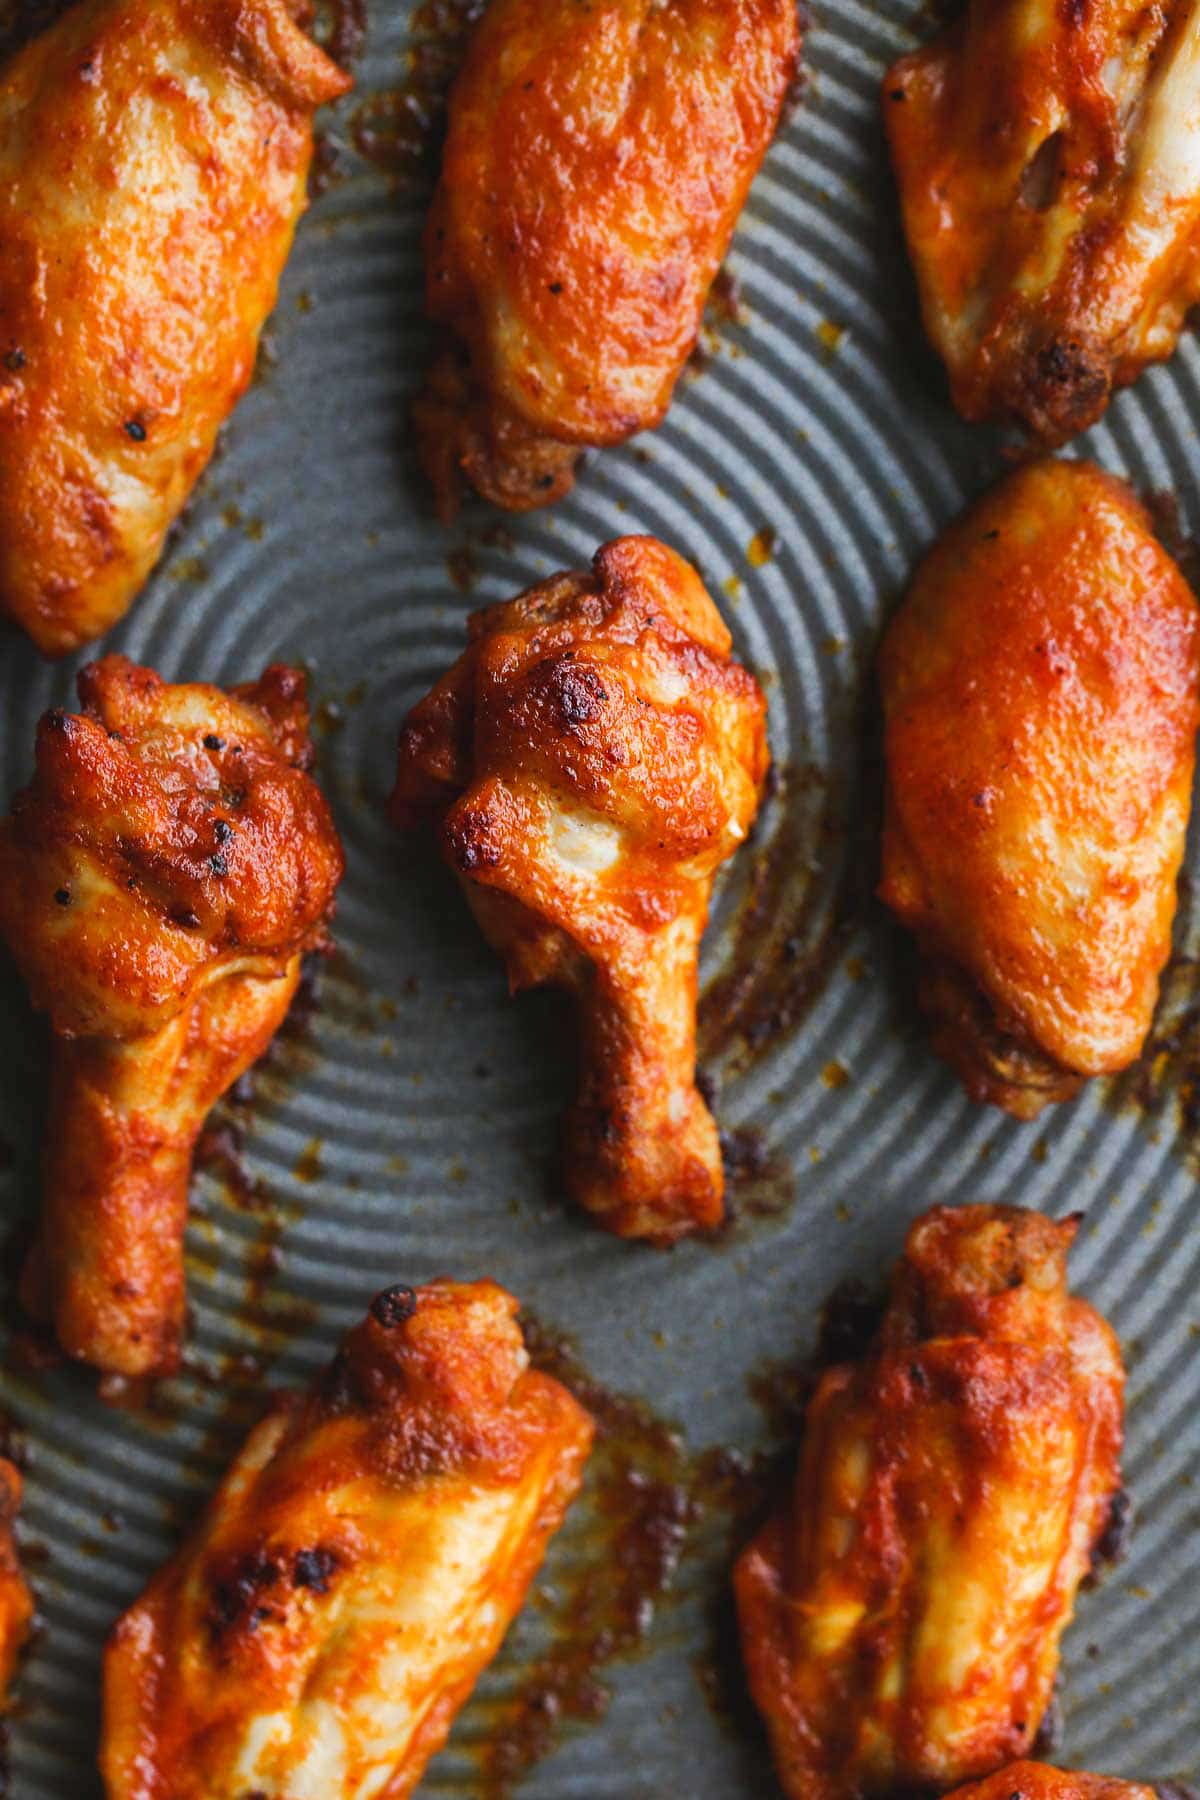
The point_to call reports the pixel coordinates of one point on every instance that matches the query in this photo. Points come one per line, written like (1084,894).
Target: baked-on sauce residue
(1163,1086)
(342,30)
(648,1503)
(640,1506)
(787,939)
(398,130)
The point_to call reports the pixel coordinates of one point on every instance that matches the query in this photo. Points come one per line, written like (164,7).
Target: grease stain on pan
(749,1487)
(397,130)
(759,1182)
(1163,1086)
(783,949)
(267,1314)
(342,30)
(648,1503)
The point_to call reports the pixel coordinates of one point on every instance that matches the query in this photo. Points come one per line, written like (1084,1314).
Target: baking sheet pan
(407,1123)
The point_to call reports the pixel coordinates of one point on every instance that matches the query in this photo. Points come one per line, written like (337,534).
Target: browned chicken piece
(593,757)
(1049,172)
(356,1571)
(1040,688)
(160,881)
(16,1601)
(596,163)
(901,1612)
(153,165)
(1034,1781)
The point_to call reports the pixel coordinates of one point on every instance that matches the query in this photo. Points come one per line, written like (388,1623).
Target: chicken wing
(160,881)
(1040,696)
(1048,159)
(153,165)
(901,1613)
(597,160)
(594,756)
(356,1570)
(1034,1781)
(16,1601)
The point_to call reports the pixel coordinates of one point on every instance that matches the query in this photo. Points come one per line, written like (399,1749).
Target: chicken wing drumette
(153,165)
(356,1570)
(1035,1781)
(901,1613)
(594,756)
(1040,690)
(160,881)
(596,163)
(1050,183)
(16,1601)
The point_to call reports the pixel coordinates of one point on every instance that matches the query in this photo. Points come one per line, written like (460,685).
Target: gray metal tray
(408,1126)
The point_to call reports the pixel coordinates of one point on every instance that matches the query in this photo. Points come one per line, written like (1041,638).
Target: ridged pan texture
(408,1127)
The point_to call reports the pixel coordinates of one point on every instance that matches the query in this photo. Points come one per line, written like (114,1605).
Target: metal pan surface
(407,1124)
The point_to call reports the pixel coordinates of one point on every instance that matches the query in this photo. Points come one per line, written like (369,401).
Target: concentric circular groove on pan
(411,1127)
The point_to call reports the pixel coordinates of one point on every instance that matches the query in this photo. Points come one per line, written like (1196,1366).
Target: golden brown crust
(594,756)
(1035,1781)
(596,163)
(1040,690)
(356,1570)
(16,1601)
(160,880)
(128,330)
(1051,196)
(901,1612)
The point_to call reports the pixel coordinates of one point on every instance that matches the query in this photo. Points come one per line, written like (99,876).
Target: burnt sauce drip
(399,129)
(649,1503)
(794,923)
(1112,1546)
(1163,1086)
(639,1506)
(342,30)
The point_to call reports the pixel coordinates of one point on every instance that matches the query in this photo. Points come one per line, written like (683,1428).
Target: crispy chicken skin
(153,165)
(597,160)
(1048,160)
(1035,1781)
(16,1601)
(160,880)
(1040,698)
(594,756)
(356,1570)
(901,1613)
